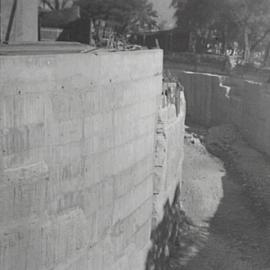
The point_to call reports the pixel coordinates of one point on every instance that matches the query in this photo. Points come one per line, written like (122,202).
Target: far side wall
(213,99)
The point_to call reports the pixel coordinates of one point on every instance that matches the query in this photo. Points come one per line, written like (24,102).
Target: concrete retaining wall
(169,155)
(77,138)
(213,99)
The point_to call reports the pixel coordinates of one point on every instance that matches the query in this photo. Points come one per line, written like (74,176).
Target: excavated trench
(216,194)
(222,220)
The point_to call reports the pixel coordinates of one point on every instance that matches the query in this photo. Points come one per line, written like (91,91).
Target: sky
(165,12)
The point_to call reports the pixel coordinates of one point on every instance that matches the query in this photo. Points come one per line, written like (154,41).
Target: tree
(200,17)
(253,21)
(122,15)
(244,21)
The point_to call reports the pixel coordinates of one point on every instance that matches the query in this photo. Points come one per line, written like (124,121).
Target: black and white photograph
(134,134)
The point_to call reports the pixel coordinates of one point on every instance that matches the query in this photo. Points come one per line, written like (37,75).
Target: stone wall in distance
(214,100)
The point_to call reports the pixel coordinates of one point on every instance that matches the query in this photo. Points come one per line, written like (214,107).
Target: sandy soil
(202,188)
(237,214)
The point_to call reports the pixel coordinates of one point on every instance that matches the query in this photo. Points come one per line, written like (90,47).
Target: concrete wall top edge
(44,54)
(80,70)
(81,60)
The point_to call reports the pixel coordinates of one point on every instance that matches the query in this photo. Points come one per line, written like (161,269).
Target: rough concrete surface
(239,234)
(168,158)
(77,141)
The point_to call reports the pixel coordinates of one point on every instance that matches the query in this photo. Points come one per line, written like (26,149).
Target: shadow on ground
(175,239)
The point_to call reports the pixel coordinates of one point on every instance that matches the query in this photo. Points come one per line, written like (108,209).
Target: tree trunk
(247,45)
(266,55)
(91,29)
(191,47)
(225,40)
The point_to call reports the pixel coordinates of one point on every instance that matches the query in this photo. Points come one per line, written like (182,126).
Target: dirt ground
(217,193)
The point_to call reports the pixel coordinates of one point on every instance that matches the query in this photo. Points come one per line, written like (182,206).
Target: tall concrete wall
(213,99)
(19,20)
(76,160)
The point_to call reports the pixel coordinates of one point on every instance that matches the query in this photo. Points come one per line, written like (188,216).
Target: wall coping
(51,48)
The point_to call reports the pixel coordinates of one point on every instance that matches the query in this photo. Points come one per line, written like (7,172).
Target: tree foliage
(123,15)
(244,21)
